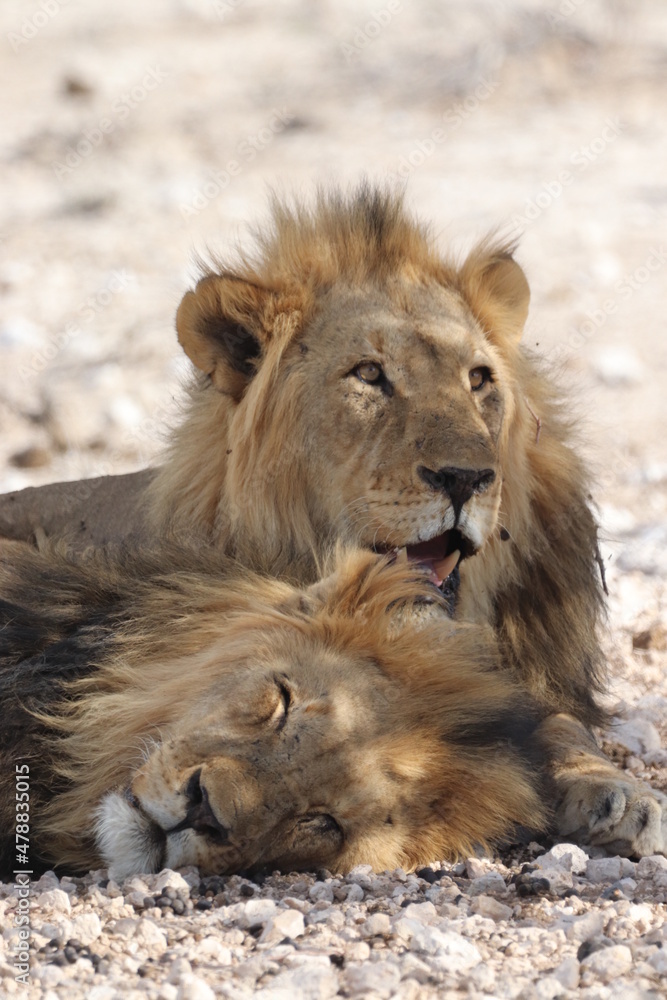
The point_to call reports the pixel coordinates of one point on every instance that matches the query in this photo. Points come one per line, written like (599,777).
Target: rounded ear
(497,291)
(220,328)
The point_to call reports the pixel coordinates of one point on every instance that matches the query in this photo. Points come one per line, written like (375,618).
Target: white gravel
(539,929)
(93,265)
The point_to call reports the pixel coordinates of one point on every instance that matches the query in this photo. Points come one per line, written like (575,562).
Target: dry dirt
(138,133)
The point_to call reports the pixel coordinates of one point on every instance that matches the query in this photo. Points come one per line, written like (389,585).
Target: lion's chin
(128,840)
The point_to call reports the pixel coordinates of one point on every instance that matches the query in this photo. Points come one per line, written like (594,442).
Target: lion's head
(354,384)
(244,723)
(353,379)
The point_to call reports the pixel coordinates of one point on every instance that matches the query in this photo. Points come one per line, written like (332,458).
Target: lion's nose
(458,484)
(200,816)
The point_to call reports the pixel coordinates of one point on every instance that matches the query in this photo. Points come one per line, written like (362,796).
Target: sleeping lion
(170,715)
(352,384)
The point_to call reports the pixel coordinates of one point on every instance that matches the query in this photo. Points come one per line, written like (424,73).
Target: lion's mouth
(440,556)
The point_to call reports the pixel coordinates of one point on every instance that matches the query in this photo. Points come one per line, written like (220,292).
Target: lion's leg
(597,803)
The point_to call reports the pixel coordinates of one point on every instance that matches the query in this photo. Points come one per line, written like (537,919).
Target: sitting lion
(173,717)
(354,385)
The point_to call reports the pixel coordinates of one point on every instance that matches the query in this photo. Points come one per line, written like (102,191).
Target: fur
(147,672)
(272,335)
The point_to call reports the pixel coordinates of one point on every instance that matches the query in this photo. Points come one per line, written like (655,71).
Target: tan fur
(400,734)
(286,451)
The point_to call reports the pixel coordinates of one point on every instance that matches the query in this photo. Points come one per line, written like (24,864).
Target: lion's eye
(285,701)
(320,825)
(369,372)
(479,377)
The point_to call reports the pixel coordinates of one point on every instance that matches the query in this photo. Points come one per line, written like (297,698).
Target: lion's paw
(615,812)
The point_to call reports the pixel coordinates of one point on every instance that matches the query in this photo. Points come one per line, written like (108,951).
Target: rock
(377,925)
(377,979)
(567,973)
(455,952)
(125,927)
(168,879)
(212,948)
(194,988)
(354,893)
(285,924)
(178,970)
(488,906)
(659,961)
(55,900)
(149,936)
(651,866)
(254,912)
(566,857)
(332,917)
(362,875)
(476,867)
(50,975)
(609,963)
(582,928)
(425,913)
(603,870)
(491,882)
(637,735)
(310,981)
(547,988)
(321,891)
(86,928)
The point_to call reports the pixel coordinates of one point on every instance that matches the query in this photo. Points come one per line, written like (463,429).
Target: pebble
(286,924)
(490,882)
(639,736)
(609,963)
(651,866)
(194,988)
(378,979)
(566,857)
(55,900)
(603,870)
(488,906)
(168,879)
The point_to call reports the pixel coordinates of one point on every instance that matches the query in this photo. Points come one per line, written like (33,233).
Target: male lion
(171,716)
(354,385)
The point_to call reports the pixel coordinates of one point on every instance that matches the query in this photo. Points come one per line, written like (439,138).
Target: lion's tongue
(439,566)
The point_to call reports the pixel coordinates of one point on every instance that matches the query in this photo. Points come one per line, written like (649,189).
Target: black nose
(458,484)
(200,816)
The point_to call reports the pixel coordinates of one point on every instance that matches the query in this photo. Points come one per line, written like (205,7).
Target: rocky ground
(137,133)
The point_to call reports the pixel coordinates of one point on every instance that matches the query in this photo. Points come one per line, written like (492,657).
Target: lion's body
(355,386)
(392,746)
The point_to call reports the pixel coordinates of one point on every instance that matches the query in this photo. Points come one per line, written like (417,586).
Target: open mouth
(439,556)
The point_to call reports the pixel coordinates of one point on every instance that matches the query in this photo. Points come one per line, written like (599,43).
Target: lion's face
(402,407)
(374,413)
(326,738)
(291,764)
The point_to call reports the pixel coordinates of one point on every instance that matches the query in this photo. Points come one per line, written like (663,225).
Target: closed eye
(282,711)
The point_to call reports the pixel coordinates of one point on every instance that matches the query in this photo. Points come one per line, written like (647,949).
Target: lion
(173,715)
(352,384)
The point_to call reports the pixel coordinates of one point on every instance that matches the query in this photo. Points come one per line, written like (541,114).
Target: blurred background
(136,134)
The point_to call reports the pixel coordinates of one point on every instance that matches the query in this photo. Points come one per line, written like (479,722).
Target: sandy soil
(136,134)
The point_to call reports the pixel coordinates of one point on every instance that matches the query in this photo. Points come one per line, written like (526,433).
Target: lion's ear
(497,290)
(219,328)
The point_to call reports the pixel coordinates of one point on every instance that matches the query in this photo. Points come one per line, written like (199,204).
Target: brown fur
(143,675)
(279,453)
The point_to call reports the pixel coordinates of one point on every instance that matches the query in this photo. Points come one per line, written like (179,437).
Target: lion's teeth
(447,565)
(402,555)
